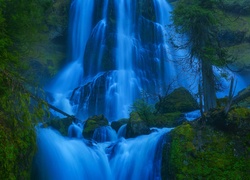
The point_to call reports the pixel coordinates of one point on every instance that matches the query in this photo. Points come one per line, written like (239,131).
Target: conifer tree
(197,20)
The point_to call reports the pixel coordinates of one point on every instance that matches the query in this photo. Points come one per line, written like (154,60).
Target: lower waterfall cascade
(66,158)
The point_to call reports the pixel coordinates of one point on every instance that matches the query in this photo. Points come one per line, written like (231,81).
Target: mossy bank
(201,151)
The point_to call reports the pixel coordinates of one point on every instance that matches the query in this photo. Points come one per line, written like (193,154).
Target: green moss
(136,126)
(17,148)
(135,117)
(167,120)
(92,123)
(206,153)
(238,114)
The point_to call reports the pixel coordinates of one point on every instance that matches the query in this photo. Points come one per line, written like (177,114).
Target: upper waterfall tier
(119,48)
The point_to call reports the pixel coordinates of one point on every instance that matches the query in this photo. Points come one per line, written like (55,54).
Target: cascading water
(70,158)
(118,48)
(103,134)
(71,76)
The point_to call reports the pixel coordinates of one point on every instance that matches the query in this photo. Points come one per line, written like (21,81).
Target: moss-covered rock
(205,152)
(136,126)
(92,123)
(179,100)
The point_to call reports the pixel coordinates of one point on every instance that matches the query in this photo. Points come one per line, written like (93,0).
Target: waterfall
(118,48)
(71,76)
(122,131)
(105,133)
(65,158)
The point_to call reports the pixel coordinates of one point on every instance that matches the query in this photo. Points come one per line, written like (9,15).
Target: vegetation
(197,19)
(207,152)
(217,148)
(22,28)
(169,111)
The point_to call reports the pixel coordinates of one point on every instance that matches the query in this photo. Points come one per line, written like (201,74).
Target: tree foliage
(197,20)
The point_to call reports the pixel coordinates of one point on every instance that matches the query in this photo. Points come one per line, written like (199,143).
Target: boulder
(117,124)
(136,126)
(179,100)
(92,123)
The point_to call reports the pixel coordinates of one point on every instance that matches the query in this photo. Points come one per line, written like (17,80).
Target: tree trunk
(208,82)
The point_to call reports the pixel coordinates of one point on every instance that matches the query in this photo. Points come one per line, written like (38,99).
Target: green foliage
(18,116)
(26,32)
(198,20)
(21,25)
(144,110)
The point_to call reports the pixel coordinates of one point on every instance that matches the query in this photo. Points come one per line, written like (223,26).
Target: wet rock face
(179,100)
(95,91)
(117,124)
(136,126)
(93,123)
